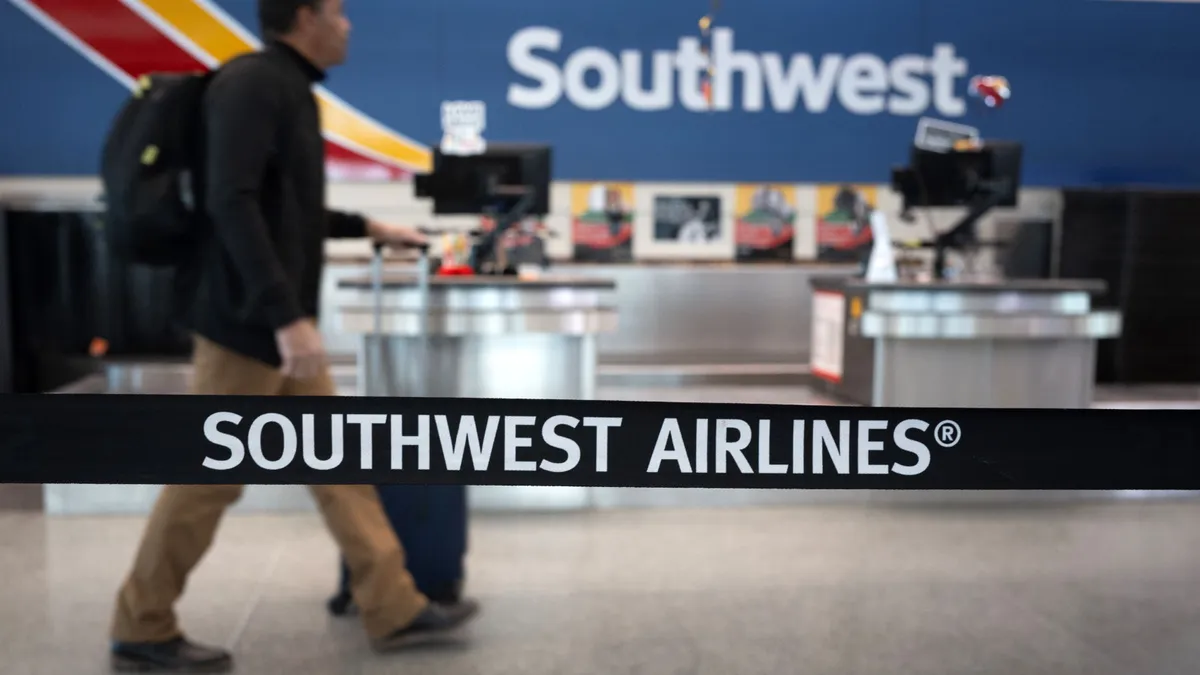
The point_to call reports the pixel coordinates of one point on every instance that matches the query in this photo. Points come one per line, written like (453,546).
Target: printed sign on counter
(828,324)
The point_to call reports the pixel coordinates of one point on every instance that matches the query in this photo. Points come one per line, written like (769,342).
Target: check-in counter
(672,314)
(491,337)
(481,337)
(1023,344)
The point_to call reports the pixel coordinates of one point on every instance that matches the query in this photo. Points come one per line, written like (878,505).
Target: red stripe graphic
(120,35)
(136,47)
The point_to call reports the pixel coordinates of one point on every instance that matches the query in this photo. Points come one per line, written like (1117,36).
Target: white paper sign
(881,266)
(463,123)
(828,335)
(941,136)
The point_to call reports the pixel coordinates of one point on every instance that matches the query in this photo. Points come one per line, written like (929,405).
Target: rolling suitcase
(430,520)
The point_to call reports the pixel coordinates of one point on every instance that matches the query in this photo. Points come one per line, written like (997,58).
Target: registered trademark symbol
(947,434)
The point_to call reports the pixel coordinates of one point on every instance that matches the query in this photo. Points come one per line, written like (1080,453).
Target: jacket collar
(311,71)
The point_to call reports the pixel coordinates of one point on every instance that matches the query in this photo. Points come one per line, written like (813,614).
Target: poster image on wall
(844,222)
(764,221)
(523,244)
(687,219)
(602,222)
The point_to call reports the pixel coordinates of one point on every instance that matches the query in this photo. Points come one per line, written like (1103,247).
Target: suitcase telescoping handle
(377,284)
(383,353)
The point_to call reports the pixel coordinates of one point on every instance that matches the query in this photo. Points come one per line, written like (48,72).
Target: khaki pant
(185,518)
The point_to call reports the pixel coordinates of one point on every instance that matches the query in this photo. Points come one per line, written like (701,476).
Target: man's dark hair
(278,17)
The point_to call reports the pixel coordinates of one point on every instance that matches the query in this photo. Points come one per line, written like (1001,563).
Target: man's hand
(395,235)
(301,349)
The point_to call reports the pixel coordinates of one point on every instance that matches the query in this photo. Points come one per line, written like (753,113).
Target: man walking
(255,322)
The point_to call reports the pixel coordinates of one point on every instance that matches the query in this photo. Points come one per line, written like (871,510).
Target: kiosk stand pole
(964,229)
(487,246)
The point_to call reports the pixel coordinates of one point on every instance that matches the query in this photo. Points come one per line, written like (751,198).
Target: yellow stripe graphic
(214,36)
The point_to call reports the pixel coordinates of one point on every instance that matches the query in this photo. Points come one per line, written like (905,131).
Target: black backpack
(152,172)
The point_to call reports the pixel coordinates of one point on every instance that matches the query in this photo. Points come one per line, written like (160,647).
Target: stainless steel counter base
(495,366)
(997,345)
(520,365)
(480,337)
(983,373)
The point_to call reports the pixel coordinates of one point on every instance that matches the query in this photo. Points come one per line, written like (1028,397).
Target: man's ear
(305,16)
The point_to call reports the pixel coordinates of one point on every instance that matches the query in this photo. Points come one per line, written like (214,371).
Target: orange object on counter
(455,271)
(98,347)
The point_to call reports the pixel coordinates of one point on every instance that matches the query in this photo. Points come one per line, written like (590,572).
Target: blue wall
(1103,92)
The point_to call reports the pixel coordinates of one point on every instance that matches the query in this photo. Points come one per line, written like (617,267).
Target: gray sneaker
(438,622)
(174,656)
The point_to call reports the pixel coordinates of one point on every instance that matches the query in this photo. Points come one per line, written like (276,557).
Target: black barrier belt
(279,440)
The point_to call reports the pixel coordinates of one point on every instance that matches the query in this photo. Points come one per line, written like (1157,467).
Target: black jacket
(264,186)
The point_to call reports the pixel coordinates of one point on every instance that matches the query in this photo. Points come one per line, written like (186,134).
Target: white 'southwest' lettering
(455,439)
(365,425)
(468,436)
(863,84)
(213,434)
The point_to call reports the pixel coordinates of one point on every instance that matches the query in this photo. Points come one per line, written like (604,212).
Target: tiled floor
(1055,589)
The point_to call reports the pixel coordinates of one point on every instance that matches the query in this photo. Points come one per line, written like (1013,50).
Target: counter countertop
(404,257)
(36,202)
(1093,286)
(393,281)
